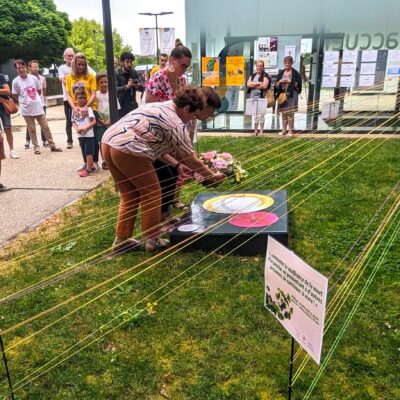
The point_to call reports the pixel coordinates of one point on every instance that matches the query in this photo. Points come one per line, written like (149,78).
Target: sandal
(156,244)
(56,149)
(180,206)
(126,246)
(36,151)
(104,166)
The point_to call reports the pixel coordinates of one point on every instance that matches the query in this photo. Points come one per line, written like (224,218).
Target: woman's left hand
(184,171)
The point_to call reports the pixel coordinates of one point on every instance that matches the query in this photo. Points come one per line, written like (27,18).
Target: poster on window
(235,71)
(295,294)
(210,71)
(290,51)
(147,42)
(167,40)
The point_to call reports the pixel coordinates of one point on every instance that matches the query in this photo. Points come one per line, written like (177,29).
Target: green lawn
(193,325)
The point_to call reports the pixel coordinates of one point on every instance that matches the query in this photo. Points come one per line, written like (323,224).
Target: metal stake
(6,368)
(291,371)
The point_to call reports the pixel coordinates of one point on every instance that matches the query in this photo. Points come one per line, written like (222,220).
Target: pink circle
(258,219)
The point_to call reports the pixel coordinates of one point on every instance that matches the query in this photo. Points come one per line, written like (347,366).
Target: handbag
(282,97)
(9,106)
(270,98)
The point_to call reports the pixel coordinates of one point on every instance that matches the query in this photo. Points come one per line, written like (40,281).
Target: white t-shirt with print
(28,96)
(103,107)
(84,122)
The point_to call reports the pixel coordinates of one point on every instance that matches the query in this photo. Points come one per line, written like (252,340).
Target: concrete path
(42,184)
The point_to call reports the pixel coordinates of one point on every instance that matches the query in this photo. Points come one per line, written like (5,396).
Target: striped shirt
(150,131)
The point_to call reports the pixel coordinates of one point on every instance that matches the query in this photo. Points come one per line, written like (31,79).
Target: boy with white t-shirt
(26,90)
(83,126)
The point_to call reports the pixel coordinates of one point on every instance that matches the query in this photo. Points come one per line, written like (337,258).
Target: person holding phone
(128,83)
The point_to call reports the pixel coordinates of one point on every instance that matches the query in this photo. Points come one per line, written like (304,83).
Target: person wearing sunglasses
(130,147)
(162,86)
(164,83)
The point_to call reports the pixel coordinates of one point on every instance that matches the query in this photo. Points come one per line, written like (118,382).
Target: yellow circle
(238,203)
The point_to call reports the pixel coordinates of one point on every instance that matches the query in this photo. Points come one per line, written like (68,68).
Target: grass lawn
(185,325)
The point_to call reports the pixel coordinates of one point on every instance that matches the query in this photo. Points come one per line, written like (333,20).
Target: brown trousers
(41,119)
(138,184)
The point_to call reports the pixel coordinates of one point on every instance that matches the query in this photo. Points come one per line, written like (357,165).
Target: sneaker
(27,144)
(96,166)
(4,188)
(45,143)
(81,168)
(87,172)
(69,146)
(13,154)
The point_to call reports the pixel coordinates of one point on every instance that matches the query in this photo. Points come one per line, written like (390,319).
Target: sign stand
(6,368)
(291,370)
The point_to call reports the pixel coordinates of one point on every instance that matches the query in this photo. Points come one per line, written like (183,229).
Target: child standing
(102,114)
(83,126)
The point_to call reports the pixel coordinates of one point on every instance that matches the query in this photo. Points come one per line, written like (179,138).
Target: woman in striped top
(130,147)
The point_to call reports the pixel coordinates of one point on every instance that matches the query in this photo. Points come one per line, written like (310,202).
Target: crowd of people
(148,151)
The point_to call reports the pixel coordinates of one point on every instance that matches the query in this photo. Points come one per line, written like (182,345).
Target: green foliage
(145,60)
(33,29)
(211,337)
(53,86)
(87,36)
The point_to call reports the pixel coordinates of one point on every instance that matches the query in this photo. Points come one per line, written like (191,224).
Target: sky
(125,18)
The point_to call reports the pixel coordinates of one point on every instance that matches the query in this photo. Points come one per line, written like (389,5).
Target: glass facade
(347,51)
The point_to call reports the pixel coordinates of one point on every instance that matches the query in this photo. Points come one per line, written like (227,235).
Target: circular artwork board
(238,203)
(259,219)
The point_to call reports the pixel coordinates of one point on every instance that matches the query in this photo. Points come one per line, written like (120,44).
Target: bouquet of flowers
(225,163)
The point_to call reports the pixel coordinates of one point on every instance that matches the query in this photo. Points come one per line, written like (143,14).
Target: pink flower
(226,156)
(219,164)
(209,155)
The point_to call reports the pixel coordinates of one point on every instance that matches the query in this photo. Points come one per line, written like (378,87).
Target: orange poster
(210,71)
(235,71)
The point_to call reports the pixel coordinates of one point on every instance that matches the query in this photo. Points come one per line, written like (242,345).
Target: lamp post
(95,50)
(156,15)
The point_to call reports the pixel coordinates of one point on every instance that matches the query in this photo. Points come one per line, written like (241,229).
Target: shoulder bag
(9,106)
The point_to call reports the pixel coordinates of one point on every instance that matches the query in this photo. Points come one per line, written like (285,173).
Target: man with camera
(128,82)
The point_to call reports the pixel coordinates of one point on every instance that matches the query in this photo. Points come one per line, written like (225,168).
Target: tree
(86,35)
(33,29)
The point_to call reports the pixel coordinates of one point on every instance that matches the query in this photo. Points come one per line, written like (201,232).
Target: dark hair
(100,75)
(188,96)
(164,55)
(178,42)
(127,55)
(288,58)
(211,97)
(180,52)
(19,61)
(33,62)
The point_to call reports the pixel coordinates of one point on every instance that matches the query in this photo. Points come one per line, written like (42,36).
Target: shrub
(53,86)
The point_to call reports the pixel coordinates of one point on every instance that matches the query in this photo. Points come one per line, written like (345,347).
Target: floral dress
(160,86)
